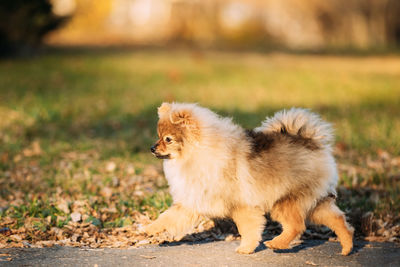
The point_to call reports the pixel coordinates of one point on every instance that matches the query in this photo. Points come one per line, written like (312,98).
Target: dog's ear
(163,109)
(182,117)
(185,118)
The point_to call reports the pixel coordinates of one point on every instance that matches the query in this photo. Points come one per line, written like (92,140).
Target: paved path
(310,253)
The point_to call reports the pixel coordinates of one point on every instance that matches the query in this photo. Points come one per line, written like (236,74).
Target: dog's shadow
(306,244)
(179,243)
(273,229)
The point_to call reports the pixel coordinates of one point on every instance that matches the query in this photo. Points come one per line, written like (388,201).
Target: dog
(217,169)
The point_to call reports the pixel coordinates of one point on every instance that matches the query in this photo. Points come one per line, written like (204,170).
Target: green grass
(88,108)
(81,100)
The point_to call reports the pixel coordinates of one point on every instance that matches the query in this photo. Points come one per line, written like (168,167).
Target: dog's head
(176,128)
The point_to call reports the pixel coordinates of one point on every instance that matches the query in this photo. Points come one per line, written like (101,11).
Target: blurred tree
(24,23)
(393,21)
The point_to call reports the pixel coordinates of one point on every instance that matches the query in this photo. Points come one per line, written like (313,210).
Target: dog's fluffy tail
(300,122)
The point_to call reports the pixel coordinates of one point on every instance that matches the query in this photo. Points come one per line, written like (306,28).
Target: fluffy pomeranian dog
(217,169)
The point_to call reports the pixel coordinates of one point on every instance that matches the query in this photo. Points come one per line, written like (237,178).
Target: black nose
(153,148)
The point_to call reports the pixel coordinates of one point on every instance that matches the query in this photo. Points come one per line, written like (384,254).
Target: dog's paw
(274,244)
(245,249)
(151,229)
(346,250)
(247,246)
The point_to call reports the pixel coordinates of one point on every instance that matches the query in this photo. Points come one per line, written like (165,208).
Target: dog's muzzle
(153,150)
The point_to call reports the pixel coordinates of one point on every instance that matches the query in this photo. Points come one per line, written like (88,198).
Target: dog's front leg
(177,221)
(250,222)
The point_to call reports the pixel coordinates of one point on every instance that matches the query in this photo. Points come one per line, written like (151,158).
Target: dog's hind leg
(327,213)
(250,223)
(288,213)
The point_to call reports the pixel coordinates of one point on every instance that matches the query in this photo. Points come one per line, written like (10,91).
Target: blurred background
(360,24)
(80,81)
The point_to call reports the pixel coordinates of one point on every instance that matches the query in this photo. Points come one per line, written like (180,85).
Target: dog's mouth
(159,156)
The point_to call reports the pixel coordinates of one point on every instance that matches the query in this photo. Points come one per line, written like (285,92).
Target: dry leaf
(311,263)
(33,150)
(106,192)
(148,257)
(130,169)
(144,242)
(111,166)
(5,231)
(63,206)
(16,237)
(76,217)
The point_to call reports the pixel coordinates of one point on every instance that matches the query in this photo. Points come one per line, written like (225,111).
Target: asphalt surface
(310,253)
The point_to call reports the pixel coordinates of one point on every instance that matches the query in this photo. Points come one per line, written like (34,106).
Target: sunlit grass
(71,97)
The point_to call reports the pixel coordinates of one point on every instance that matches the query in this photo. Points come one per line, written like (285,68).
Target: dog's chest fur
(201,189)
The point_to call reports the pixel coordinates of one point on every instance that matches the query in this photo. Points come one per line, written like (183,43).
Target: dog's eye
(168,139)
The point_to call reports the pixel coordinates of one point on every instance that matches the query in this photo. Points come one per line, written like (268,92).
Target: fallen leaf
(143,242)
(311,263)
(110,167)
(106,192)
(148,257)
(16,237)
(5,231)
(76,216)
(63,206)
(130,169)
(33,150)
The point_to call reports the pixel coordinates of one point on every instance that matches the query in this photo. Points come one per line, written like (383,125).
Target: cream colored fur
(309,124)
(214,171)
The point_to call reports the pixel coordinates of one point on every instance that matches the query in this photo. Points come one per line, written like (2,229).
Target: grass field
(76,127)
